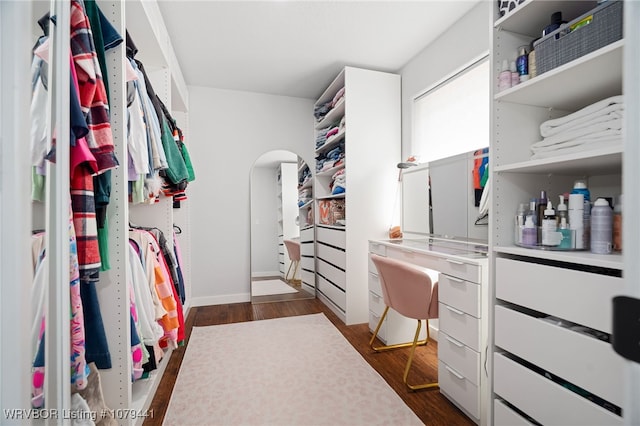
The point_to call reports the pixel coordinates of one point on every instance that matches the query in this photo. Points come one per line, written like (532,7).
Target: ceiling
(296,48)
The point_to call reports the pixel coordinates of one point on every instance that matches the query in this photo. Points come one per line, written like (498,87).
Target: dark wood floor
(429,405)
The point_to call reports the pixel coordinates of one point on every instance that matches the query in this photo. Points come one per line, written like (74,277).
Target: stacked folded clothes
(595,126)
(320,111)
(304,196)
(330,159)
(304,176)
(339,182)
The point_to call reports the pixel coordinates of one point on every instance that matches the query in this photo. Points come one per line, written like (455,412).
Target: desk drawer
(582,360)
(459,357)
(459,389)
(459,325)
(307,249)
(576,296)
(460,294)
(333,274)
(332,255)
(505,416)
(373,323)
(333,237)
(545,401)
(377,248)
(308,263)
(374,284)
(454,268)
(376,303)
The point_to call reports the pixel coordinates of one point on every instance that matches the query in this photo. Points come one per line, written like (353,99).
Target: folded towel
(579,145)
(597,108)
(611,127)
(612,112)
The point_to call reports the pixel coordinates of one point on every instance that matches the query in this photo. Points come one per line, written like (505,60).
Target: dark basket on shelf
(564,45)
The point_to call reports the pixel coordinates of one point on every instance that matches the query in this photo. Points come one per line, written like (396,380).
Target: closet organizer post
(113,289)
(15,207)
(57,386)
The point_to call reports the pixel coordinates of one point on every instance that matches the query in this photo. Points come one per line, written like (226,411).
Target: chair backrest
(293,248)
(407,289)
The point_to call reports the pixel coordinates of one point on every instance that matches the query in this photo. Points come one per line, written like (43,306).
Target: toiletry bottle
(515,77)
(522,63)
(529,233)
(562,211)
(541,206)
(521,217)
(576,220)
(533,70)
(504,78)
(617,225)
(549,226)
(567,234)
(601,227)
(580,187)
(556,21)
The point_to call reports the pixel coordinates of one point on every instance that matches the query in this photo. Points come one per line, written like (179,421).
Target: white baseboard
(220,300)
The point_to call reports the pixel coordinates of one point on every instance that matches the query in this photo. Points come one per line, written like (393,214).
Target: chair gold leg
(397,345)
(410,361)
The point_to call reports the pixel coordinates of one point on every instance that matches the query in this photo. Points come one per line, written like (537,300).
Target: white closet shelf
(335,140)
(611,261)
(330,172)
(600,68)
(333,116)
(332,196)
(306,205)
(598,161)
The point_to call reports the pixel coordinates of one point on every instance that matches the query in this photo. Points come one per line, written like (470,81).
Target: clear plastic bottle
(601,227)
(549,227)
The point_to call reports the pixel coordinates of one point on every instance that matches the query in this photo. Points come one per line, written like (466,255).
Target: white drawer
(373,323)
(580,359)
(459,389)
(455,268)
(308,278)
(332,255)
(306,235)
(374,284)
(308,263)
(460,294)
(333,237)
(459,325)
(505,416)
(307,249)
(281,257)
(546,402)
(337,296)
(377,248)
(372,266)
(576,296)
(459,357)
(333,274)
(376,303)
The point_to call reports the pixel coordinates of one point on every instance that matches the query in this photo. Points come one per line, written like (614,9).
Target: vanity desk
(460,266)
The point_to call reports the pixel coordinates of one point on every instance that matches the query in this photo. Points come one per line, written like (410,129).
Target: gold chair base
(412,344)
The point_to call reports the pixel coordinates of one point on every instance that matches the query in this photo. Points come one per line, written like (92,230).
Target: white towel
(595,130)
(579,145)
(582,116)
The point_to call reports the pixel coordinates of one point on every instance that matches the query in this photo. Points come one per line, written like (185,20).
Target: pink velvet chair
(408,291)
(293,248)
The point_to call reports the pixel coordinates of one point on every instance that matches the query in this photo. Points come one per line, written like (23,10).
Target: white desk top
(466,249)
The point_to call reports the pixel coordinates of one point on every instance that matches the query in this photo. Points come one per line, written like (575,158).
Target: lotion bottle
(549,226)
(504,78)
(529,233)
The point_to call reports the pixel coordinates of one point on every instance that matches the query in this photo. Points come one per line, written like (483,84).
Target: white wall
(467,40)
(229,130)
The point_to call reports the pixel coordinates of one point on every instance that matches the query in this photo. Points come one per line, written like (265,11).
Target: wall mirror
(275,264)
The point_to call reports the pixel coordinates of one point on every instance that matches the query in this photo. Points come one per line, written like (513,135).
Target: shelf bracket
(626,327)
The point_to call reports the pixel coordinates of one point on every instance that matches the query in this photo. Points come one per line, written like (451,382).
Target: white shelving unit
(307,229)
(371,136)
(140,18)
(544,371)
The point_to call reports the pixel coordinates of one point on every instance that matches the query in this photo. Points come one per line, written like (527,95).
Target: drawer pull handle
(455,262)
(375,297)
(455,342)
(454,310)
(455,373)
(454,279)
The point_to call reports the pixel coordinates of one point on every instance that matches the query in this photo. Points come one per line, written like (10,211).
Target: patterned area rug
(285,371)
(267,287)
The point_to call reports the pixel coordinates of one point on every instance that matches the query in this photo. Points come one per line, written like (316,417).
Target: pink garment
(80,152)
